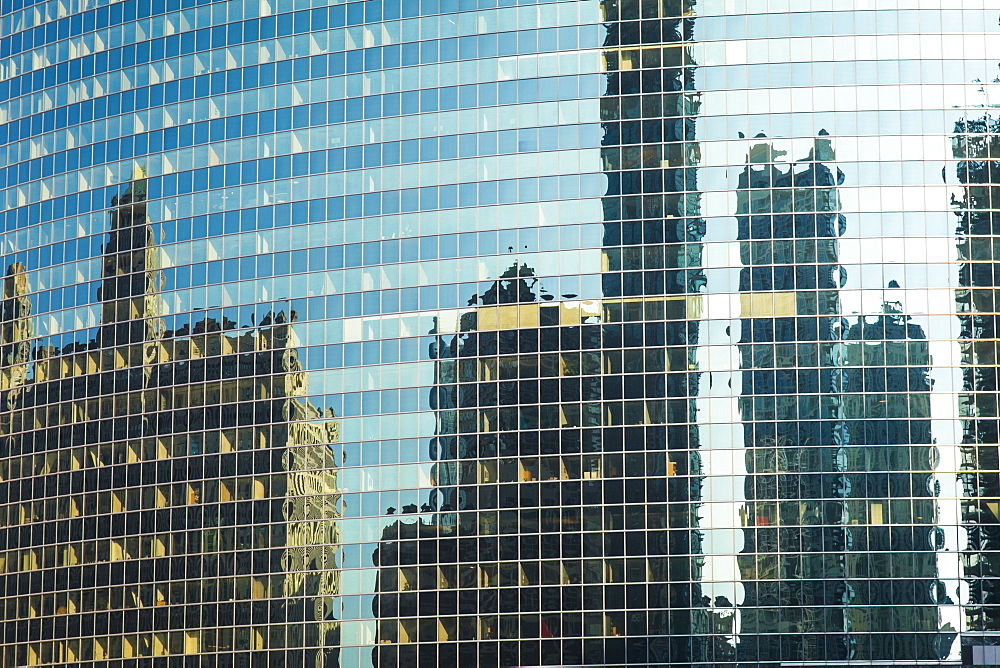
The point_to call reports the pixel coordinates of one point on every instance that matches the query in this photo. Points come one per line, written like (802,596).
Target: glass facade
(499,333)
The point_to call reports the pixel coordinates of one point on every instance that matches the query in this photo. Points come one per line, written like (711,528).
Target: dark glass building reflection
(891,505)
(524,440)
(652,278)
(975,144)
(791,352)
(568,475)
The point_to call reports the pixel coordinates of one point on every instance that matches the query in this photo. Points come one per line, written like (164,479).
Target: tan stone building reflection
(165,493)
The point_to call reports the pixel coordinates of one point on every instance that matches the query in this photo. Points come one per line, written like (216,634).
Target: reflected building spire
(16,333)
(131,279)
(196,505)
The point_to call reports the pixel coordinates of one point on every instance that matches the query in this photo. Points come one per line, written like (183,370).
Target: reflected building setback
(892,506)
(169,493)
(976,146)
(791,352)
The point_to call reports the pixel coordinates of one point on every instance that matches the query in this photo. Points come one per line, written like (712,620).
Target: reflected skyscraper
(892,505)
(975,145)
(791,353)
(652,262)
(503,463)
(573,421)
(524,440)
(192,502)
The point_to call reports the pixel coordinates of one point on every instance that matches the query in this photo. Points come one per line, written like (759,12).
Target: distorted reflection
(791,351)
(177,486)
(976,144)
(892,510)
(568,474)
(839,561)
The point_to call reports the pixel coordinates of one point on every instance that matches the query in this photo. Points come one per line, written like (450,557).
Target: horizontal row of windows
(803,22)
(102,67)
(461,195)
(194,453)
(535,429)
(35,121)
(194,197)
(259,536)
(441,147)
(175,128)
(381,332)
(27,15)
(82,19)
(293,20)
(332,301)
(610,338)
(87,17)
(526,572)
(528,575)
(184,456)
(576,394)
(231,501)
(105,64)
(197,452)
(592,419)
(32,518)
(255,270)
(223,236)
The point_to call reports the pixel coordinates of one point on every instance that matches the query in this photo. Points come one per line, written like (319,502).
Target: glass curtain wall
(496,332)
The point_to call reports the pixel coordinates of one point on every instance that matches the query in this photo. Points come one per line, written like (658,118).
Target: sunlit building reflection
(168,493)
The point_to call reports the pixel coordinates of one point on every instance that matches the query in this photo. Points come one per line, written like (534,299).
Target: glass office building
(499,333)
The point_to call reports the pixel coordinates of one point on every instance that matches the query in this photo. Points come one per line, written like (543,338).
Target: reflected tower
(892,507)
(526,441)
(651,283)
(791,352)
(568,474)
(976,146)
(170,492)
(517,500)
